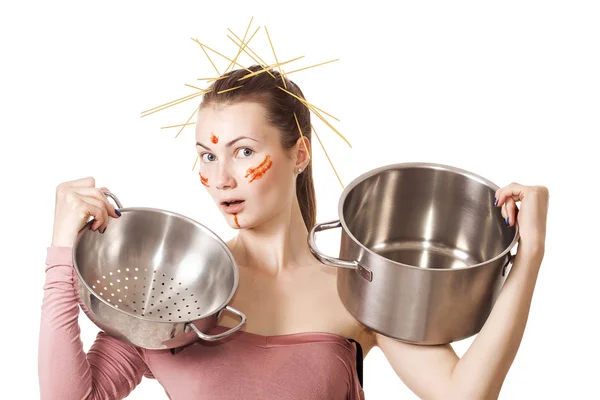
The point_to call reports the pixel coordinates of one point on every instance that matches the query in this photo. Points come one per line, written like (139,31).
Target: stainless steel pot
(155,278)
(424,253)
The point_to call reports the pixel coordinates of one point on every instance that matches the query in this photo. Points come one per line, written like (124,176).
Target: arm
(110,370)
(435,372)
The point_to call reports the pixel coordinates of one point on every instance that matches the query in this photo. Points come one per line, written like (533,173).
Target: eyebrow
(228,144)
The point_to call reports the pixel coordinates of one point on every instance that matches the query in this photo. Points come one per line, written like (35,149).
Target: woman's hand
(531,217)
(76,201)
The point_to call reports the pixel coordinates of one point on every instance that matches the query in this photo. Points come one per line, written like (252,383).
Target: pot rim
(171,213)
(427,165)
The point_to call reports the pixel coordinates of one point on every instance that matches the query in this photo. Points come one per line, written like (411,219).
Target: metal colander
(154,276)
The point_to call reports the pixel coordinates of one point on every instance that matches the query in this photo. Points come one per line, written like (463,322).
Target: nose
(225,179)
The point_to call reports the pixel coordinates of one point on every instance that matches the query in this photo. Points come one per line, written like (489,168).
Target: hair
(264,88)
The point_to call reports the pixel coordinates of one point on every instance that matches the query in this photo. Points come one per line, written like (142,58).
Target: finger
(514,191)
(97,194)
(511,211)
(83,182)
(99,223)
(87,209)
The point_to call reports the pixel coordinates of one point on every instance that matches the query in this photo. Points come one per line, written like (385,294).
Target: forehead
(240,119)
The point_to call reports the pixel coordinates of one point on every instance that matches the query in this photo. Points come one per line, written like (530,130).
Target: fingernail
(104,230)
(118,212)
(506,222)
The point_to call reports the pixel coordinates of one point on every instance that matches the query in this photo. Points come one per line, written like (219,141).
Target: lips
(232,206)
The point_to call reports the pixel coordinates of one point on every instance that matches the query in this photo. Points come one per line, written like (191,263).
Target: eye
(208,157)
(246,151)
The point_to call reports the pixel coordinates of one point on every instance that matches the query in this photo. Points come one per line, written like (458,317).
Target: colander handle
(333,261)
(112,196)
(221,335)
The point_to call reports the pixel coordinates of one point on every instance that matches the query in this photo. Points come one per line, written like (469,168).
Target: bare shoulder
(333,307)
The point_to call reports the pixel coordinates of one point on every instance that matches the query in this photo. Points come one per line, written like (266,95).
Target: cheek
(204,180)
(256,173)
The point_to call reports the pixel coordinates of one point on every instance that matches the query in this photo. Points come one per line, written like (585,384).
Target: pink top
(243,366)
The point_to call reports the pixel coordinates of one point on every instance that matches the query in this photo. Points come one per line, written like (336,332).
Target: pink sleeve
(110,370)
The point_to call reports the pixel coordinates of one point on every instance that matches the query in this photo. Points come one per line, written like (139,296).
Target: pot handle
(509,263)
(333,261)
(221,335)
(112,196)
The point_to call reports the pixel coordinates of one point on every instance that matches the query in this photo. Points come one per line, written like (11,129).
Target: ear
(303,151)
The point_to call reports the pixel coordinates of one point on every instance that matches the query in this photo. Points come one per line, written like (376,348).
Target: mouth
(232,206)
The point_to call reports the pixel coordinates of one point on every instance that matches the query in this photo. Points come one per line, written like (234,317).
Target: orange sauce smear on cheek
(204,180)
(236,221)
(214,139)
(258,172)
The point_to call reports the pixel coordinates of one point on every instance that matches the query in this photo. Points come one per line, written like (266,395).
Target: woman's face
(242,163)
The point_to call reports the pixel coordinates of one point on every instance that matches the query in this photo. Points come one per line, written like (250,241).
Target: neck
(276,245)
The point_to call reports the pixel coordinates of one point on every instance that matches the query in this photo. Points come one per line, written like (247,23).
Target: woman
(299,340)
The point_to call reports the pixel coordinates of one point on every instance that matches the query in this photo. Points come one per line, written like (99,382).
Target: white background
(508,90)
